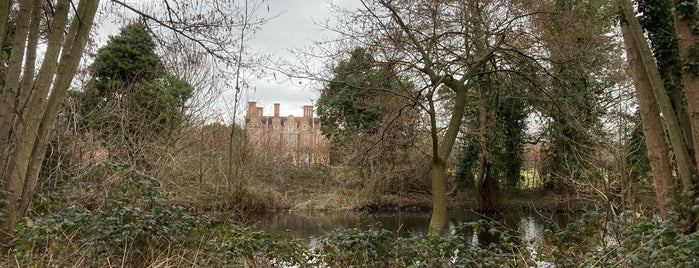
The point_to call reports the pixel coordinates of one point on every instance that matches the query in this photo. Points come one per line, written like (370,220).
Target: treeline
(427,97)
(486,83)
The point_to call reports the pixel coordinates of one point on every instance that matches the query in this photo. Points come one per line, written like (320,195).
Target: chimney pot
(308,111)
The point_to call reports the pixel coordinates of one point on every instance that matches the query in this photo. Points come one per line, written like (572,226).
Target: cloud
(295,27)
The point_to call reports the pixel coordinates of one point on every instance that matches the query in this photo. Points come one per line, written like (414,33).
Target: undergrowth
(137,227)
(627,240)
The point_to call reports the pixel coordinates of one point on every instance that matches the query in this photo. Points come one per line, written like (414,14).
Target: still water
(530,225)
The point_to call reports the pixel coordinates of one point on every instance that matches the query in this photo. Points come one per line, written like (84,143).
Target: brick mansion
(295,138)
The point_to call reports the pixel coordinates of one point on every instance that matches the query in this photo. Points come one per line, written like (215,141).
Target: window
(290,140)
(304,158)
(291,128)
(276,127)
(304,140)
(275,139)
(305,127)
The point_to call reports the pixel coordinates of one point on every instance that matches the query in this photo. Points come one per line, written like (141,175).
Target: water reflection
(531,232)
(310,225)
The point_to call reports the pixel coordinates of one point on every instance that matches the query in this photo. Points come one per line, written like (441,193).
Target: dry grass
(195,171)
(197,176)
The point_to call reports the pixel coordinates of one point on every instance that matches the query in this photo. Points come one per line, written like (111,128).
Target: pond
(311,225)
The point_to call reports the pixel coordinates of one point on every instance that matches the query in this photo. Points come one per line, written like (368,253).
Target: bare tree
(30,98)
(25,127)
(445,47)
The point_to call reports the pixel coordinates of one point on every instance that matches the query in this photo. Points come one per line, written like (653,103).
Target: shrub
(135,224)
(382,248)
(353,247)
(627,240)
(233,246)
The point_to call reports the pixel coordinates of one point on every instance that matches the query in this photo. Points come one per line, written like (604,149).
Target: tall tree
(498,119)
(30,98)
(347,106)
(646,71)
(25,126)
(654,135)
(444,46)
(132,101)
(575,34)
(656,19)
(366,112)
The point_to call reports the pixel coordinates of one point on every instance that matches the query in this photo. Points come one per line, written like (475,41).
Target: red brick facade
(295,138)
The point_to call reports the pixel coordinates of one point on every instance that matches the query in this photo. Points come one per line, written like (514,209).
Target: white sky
(295,27)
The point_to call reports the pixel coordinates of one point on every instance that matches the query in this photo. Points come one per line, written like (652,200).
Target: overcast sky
(296,26)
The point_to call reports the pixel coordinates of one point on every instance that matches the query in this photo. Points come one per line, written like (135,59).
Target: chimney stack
(252,108)
(308,111)
(276,110)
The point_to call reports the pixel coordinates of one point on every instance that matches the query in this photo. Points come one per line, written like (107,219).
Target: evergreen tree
(371,126)
(347,106)
(126,60)
(131,99)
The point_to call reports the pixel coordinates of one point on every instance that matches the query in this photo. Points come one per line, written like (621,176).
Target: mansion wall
(297,139)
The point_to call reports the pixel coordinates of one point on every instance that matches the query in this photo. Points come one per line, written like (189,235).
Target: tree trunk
(486,185)
(11,87)
(688,48)
(74,46)
(488,196)
(658,151)
(8,112)
(646,64)
(38,119)
(439,197)
(30,59)
(441,149)
(31,117)
(676,93)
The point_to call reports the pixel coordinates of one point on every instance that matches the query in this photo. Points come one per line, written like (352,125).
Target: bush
(233,246)
(139,239)
(381,248)
(627,240)
(134,225)
(352,247)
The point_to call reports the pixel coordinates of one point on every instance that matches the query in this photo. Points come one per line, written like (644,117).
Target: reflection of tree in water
(531,232)
(306,224)
(527,227)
